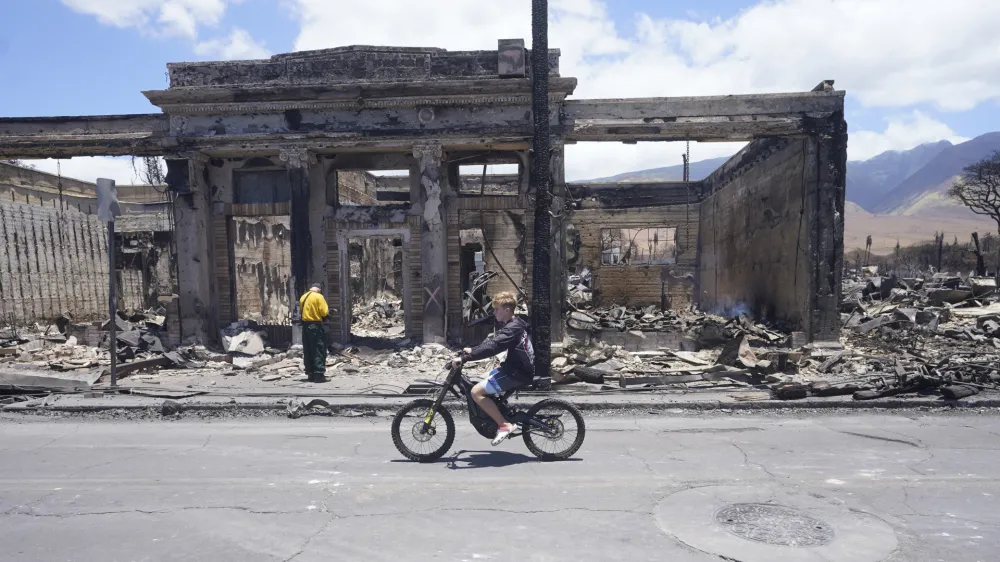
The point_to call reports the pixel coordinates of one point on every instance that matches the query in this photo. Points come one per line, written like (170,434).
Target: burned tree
(979,190)
(149,170)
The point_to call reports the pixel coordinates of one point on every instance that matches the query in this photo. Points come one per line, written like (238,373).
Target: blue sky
(909,79)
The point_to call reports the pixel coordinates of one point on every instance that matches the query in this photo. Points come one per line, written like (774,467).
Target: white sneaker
(503,432)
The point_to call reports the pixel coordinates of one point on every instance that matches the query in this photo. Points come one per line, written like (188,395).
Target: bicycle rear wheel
(563,433)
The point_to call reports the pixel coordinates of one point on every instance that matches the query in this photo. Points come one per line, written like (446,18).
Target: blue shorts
(500,381)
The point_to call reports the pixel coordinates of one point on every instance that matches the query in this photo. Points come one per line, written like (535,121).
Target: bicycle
(540,424)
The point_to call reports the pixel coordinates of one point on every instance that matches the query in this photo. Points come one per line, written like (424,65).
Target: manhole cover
(774,524)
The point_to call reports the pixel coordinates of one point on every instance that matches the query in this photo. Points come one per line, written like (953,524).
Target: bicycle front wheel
(420,441)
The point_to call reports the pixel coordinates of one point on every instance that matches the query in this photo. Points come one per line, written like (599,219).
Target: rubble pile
(68,346)
(432,354)
(378,318)
(578,289)
(923,335)
(707,329)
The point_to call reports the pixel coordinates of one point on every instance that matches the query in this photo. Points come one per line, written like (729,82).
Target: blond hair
(505,299)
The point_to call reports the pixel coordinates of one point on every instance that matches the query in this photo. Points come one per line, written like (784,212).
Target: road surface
(679,487)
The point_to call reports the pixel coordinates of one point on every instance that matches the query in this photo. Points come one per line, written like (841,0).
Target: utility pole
(541,309)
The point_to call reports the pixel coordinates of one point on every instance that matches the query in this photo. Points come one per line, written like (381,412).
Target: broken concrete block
(170,408)
(559,362)
(271,378)
(247,343)
(131,338)
(32,346)
(152,343)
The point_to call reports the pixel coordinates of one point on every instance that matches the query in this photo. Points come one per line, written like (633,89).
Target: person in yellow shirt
(314,312)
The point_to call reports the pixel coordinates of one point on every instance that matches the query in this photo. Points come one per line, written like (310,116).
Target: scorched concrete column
(187,177)
(307,235)
(433,241)
(557,256)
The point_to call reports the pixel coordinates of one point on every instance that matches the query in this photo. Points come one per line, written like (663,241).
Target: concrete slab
(13,376)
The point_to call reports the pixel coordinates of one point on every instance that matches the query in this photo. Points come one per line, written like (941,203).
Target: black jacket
(515,339)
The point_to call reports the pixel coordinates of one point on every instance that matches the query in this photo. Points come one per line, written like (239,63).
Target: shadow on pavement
(489,459)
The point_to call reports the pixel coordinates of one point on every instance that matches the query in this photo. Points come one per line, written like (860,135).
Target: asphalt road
(901,487)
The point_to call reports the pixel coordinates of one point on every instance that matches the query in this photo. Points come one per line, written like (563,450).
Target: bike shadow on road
(489,459)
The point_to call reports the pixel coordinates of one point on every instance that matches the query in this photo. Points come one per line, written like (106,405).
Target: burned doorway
(377,291)
(493,259)
(260,249)
(262,273)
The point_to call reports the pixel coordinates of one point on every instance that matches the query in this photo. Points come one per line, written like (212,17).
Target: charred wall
(357,188)
(640,280)
(52,261)
(755,233)
(262,268)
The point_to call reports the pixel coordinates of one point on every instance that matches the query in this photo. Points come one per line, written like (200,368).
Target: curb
(706,406)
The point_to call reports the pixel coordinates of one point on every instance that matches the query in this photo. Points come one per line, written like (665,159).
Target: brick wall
(640,285)
(357,188)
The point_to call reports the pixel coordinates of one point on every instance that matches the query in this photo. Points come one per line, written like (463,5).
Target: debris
(246,343)
(958,391)
(737,353)
(170,408)
(790,391)
(837,357)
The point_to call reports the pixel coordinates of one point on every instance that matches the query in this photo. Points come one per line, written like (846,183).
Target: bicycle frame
(461,387)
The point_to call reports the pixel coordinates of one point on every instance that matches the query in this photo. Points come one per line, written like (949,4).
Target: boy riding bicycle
(517,369)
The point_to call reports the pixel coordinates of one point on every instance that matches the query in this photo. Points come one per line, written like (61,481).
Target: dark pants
(314,350)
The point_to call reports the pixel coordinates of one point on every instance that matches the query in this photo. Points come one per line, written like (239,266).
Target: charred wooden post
(540,183)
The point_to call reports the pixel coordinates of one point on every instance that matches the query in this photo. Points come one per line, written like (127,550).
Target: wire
(486,239)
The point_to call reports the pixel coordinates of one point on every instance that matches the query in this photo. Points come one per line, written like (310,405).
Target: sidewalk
(355,404)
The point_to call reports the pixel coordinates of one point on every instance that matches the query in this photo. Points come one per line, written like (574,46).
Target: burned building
(288,157)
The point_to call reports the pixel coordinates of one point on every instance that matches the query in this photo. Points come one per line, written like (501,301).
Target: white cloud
(90,168)
(885,53)
(238,46)
(901,133)
(158,17)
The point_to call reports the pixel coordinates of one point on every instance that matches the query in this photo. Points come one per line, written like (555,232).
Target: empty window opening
(501,179)
(638,246)
(475,277)
(378,315)
(360,187)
